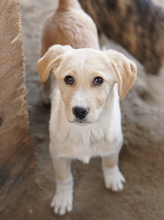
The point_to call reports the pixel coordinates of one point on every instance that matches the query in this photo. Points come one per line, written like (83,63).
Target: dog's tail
(64,4)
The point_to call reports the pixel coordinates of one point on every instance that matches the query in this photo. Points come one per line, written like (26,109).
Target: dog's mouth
(81,122)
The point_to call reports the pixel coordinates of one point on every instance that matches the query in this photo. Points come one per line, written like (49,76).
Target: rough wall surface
(16,154)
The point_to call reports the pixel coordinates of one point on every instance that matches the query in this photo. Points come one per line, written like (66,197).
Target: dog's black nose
(80,112)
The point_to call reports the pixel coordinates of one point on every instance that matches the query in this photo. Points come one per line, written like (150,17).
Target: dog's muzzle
(80,112)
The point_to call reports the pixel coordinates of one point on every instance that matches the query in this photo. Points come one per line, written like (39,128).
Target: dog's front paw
(63,199)
(62,202)
(113,178)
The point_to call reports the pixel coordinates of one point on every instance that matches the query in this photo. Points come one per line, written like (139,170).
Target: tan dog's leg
(112,176)
(62,201)
(46,91)
(46,86)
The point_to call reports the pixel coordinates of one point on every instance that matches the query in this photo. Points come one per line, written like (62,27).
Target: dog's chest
(85,153)
(84,143)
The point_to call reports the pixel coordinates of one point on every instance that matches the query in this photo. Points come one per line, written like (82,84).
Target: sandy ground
(141,159)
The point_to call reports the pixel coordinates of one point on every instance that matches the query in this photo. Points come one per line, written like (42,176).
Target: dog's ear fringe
(125,70)
(51,59)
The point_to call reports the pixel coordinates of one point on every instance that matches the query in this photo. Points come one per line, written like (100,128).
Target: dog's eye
(69,80)
(98,80)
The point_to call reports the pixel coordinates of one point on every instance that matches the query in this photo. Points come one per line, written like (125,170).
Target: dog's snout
(80,112)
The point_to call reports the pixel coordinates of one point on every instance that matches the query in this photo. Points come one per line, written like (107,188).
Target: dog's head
(86,78)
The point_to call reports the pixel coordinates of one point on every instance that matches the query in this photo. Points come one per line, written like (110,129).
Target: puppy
(85,113)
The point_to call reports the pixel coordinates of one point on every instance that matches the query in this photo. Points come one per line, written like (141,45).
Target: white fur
(84,142)
(78,99)
(99,133)
(62,201)
(113,178)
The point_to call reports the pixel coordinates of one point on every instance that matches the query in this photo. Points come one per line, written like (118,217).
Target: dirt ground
(141,159)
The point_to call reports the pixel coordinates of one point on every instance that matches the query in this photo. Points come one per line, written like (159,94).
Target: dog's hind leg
(63,199)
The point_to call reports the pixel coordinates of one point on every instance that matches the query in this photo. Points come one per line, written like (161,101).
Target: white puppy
(85,114)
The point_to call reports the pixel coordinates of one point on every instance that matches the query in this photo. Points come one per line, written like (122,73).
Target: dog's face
(86,78)
(84,84)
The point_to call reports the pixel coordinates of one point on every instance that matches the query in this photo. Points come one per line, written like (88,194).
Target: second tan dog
(85,113)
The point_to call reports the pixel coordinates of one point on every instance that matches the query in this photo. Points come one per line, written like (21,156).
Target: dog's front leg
(63,198)
(112,176)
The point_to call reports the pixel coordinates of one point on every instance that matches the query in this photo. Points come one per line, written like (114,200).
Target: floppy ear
(125,69)
(51,59)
